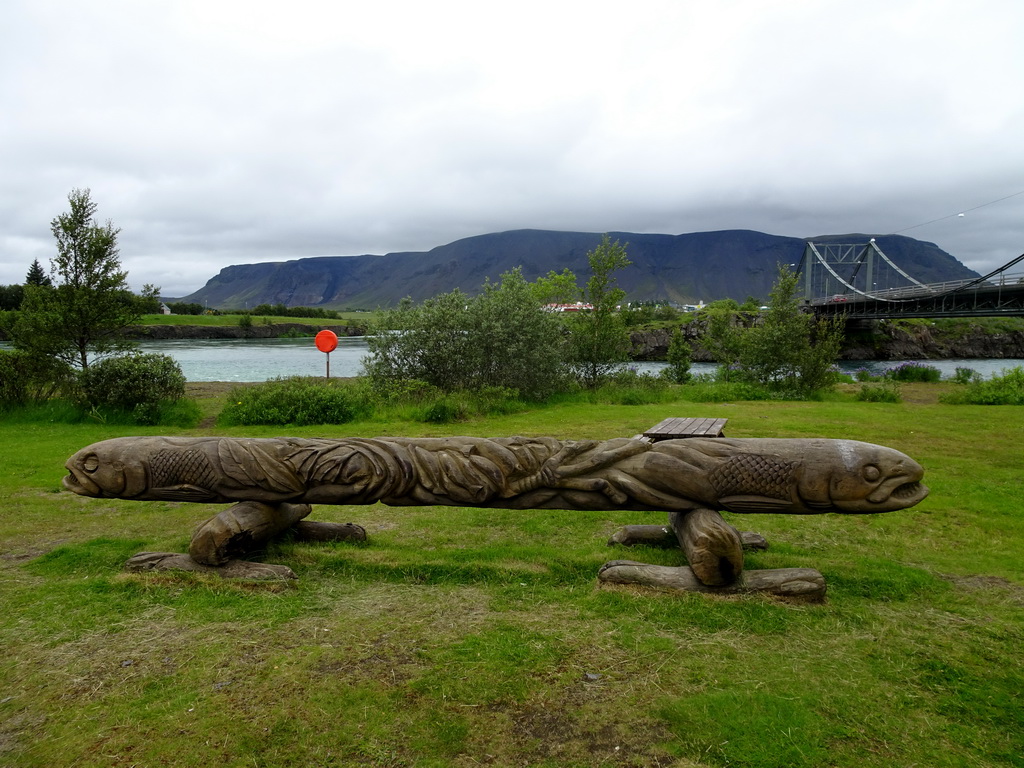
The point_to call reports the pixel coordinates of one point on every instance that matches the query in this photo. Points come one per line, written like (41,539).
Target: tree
(787,350)
(556,288)
(500,338)
(37,276)
(600,341)
(11,296)
(680,357)
(87,309)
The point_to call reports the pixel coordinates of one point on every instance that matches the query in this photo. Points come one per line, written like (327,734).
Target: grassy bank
(351,318)
(461,637)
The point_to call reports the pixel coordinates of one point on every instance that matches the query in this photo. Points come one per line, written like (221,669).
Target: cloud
(235,132)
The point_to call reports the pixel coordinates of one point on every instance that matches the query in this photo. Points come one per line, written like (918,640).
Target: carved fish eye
(871,473)
(91,463)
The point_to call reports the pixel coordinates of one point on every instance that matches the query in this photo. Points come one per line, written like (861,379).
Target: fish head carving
(861,478)
(108,469)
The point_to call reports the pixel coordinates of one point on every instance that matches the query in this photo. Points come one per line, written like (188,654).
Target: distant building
(579,306)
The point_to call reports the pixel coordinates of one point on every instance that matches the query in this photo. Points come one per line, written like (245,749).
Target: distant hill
(681,268)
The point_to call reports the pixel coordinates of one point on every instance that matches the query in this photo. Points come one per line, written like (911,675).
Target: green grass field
(462,637)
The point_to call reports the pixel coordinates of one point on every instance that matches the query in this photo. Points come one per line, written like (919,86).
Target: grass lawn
(463,637)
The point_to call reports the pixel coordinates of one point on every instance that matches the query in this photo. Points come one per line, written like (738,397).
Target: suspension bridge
(858,281)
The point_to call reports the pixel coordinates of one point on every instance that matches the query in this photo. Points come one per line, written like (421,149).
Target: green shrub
(135,382)
(914,372)
(26,378)
(883,392)
(1007,389)
(297,400)
(966,375)
(863,374)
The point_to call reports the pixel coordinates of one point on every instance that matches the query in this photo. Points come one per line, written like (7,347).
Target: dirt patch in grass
(204,390)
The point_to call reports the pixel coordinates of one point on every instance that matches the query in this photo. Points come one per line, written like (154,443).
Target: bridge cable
(958,213)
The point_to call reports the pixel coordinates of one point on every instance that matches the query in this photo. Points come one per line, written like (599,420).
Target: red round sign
(327,341)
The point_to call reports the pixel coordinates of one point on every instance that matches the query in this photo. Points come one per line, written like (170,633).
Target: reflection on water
(262,359)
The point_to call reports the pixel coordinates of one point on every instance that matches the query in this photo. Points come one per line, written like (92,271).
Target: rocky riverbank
(879,340)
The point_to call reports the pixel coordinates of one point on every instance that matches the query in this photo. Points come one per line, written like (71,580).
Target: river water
(262,359)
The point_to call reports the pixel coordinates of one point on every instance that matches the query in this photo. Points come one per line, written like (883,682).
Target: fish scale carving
(752,473)
(185,467)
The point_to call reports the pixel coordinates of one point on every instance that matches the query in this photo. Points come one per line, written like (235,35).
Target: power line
(958,213)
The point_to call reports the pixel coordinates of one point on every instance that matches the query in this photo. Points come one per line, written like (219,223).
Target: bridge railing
(1003,280)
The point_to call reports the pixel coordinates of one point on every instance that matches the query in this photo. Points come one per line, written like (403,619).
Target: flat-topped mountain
(681,268)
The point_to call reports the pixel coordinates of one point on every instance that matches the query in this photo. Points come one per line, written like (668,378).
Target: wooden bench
(676,428)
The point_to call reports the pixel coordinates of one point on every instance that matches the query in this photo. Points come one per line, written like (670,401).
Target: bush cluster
(916,372)
(136,383)
(456,342)
(297,400)
(28,378)
(1007,389)
(966,375)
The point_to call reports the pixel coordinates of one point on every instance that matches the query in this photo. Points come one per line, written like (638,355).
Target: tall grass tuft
(628,387)
(886,391)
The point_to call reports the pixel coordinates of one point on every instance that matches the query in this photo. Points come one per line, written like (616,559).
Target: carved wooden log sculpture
(248,525)
(241,529)
(799,583)
(664,537)
(276,478)
(713,548)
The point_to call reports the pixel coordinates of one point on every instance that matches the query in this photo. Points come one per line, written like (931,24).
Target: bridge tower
(829,269)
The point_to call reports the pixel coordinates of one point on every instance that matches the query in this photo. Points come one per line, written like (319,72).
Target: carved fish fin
(819,506)
(249,464)
(755,504)
(186,493)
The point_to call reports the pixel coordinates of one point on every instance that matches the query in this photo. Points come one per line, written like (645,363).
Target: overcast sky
(218,132)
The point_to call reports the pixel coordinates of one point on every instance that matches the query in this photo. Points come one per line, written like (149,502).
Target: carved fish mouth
(903,495)
(909,491)
(80,485)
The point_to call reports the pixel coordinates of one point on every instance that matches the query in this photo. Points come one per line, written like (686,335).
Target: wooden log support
(242,528)
(664,537)
(712,547)
(804,584)
(232,569)
(315,530)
